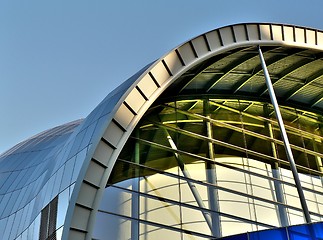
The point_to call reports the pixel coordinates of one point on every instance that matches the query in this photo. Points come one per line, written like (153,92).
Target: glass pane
(161,185)
(113,226)
(157,233)
(160,212)
(194,220)
(223,157)
(232,226)
(63,200)
(118,201)
(266,213)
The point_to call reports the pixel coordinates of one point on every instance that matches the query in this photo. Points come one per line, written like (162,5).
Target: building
(188,148)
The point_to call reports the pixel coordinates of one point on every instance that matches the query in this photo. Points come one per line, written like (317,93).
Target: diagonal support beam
(284,137)
(191,185)
(252,133)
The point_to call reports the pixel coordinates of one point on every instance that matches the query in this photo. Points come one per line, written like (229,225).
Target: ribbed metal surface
(223,63)
(296,74)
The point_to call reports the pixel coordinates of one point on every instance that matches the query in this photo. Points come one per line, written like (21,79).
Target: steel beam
(276,174)
(210,169)
(251,133)
(285,138)
(135,197)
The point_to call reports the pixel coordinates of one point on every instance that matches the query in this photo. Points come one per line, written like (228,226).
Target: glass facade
(202,168)
(186,148)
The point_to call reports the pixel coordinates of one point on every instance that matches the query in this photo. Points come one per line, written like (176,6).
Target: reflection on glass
(120,201)
(63,199)
(186,156)
(157,233)
(35,230)
(110,225)
(59,233)
(7,232)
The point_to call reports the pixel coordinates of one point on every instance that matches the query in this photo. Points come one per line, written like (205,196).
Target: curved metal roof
(223,62)
(296,73)
(46,140)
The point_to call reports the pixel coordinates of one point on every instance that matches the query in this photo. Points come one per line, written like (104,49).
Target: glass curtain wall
(208,168)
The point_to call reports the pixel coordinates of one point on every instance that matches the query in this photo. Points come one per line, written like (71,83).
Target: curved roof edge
(130,105)
(29,143)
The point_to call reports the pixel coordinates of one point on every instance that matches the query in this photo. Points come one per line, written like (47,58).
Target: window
(48,221)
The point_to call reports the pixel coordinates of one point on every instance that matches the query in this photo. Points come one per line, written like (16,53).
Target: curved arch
(145,88)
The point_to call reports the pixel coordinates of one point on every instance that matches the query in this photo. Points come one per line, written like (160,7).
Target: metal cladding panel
(310,37)
(113,134)
(32,176)
(124,115)
(81,218)
(103,153)
(160,73)
(319,38)
(240,33)
(201,45)
(288,33)
(94,173)
(147,86)
(214,40)
(277,33)
(79,156)
(77,234)
(299,34)
(227,36)
(187,53)
(87,195)
(265,32)
(173,62)
(135,100)
(253,33)
(40,172)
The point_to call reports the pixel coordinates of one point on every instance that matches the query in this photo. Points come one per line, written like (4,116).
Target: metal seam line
(284,137)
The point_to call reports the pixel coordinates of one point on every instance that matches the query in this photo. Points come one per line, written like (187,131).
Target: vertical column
(135,196)
(317,158)
(285,138)
(211,175)
(276,174)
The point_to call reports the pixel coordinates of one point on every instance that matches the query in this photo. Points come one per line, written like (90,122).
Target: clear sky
(59,59)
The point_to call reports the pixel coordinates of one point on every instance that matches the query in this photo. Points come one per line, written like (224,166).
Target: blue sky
(59,59)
